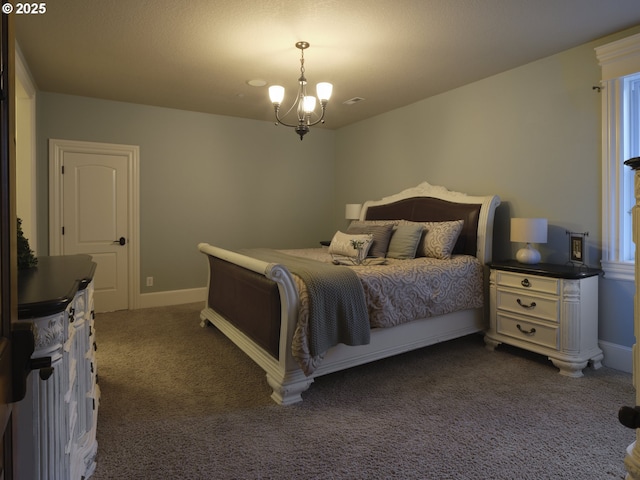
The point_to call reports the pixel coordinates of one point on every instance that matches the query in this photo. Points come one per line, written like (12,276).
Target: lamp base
(528,255)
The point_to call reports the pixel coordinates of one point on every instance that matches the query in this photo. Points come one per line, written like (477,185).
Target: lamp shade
(276,94)
(352,211)
(529,230)
(309,103)
(324,90)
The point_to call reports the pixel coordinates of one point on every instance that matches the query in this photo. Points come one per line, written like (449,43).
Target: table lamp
(528,230)
(352,211)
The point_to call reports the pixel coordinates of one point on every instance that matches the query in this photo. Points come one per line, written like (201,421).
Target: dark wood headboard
(429,209)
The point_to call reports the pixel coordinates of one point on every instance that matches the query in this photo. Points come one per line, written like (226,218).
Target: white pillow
(341,244)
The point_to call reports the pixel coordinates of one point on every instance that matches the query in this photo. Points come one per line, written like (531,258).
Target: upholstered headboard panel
(429,209)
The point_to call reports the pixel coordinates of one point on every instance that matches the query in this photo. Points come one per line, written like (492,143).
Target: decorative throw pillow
(404,241)
(381,235)
(439,238)
(343,244)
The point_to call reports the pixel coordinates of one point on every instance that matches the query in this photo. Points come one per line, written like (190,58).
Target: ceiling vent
(353,100)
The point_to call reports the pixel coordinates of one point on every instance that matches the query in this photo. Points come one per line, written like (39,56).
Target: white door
(94,215)
(95,221)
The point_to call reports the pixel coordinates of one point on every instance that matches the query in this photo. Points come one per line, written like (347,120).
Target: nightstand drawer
(529,282)
(544,335)
(545,308)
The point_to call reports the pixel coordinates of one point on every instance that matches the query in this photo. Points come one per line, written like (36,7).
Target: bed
(259,304)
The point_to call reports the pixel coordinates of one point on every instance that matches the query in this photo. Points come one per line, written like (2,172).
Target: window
(620,62)
(630,142)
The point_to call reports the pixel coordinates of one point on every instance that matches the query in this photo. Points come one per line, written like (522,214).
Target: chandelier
(304,104)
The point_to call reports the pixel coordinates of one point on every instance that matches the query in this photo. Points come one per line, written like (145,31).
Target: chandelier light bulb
(324,90)
(309,104)
(276,94)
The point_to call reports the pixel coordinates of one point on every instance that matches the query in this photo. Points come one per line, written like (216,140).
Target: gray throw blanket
(337,306)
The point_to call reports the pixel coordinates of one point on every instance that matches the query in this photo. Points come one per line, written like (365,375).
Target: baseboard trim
(172,297)
(617,356)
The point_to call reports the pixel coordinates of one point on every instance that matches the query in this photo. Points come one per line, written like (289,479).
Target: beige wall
(26,192)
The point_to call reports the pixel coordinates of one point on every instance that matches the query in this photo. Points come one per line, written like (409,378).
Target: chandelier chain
(302,69)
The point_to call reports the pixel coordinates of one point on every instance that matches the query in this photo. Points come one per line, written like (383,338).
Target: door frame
(8,250)
(57,148)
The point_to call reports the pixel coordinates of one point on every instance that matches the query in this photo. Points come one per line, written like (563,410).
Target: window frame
(618,60)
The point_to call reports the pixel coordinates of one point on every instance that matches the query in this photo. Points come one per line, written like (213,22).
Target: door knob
(121,241)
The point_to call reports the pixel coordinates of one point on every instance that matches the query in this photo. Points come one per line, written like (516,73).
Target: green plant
(26,258)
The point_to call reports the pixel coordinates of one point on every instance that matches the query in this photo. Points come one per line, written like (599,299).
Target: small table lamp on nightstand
(528,230)
(352,211)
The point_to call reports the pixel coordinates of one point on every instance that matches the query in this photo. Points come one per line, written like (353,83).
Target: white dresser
(548,309)
(55,425)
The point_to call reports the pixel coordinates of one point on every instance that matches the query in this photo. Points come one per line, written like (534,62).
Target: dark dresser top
(568,271)
(50,286)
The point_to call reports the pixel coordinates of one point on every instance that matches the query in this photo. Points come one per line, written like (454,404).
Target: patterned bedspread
(398,292)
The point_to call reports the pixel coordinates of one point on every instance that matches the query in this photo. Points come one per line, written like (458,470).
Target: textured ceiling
(199,54)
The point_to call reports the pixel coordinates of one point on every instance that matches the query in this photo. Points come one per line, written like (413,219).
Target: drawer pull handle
(525,283)
(531,305)
(530,332)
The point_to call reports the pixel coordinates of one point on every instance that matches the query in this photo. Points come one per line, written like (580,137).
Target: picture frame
(576,248)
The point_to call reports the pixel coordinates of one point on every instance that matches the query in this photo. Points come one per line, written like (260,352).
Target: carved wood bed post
(288,382)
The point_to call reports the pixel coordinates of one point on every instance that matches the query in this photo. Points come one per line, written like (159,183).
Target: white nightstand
(548,309)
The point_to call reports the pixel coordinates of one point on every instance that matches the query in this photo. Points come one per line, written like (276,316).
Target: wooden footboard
(248,300)
(264,331)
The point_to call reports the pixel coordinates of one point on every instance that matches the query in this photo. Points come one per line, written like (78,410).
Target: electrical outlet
(149,281)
